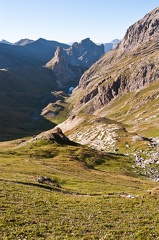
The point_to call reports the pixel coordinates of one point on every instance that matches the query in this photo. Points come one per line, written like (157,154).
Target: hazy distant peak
(23,42)
(116,41)
(111,45)
(5,42)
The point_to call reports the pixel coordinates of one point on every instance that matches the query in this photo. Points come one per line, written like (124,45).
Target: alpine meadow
(79,137)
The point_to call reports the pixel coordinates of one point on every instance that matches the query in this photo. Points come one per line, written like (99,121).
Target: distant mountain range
(23,42)
(36,53)
(6,42)
(107,46)
(31,70)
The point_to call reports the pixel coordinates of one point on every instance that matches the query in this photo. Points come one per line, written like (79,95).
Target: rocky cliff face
(143,31)
(84,53)
(66,74)
(69,64)
(131,66)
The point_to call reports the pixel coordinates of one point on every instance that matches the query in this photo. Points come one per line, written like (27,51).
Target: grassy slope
(133,114)
(139,111)
(59,110)
(90,204)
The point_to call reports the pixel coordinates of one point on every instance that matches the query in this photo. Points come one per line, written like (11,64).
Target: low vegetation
(90,195)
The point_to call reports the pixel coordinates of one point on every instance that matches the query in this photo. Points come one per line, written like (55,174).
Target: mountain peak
(58,57)
(5,42)
(23,42)
(82,54)
(86,40)
(142,31)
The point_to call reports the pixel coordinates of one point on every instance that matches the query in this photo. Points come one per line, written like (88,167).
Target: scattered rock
(126,195)
(47,180)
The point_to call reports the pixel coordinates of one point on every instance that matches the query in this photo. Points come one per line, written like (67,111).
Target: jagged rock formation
(132,65)
(143,31)
(66,74)
(69,64)
(84,53)
(37,53)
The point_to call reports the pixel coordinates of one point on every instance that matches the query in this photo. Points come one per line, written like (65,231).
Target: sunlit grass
(91,202)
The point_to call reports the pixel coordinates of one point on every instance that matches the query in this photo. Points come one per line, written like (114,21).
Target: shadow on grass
(20,129)
(47,187)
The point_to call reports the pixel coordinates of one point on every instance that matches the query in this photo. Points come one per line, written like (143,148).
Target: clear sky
(70,20)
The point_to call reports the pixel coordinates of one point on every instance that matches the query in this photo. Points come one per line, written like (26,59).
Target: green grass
(40,214)
(90,203)
(62,113)
(138,111)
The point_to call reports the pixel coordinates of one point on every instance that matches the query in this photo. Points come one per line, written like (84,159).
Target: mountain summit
(142,31)
(84,53)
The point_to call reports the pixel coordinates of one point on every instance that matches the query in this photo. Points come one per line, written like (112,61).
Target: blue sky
(70,20)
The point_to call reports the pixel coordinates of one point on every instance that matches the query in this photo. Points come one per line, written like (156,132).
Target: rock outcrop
(55,135)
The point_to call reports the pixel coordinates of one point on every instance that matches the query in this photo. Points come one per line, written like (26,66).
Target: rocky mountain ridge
(36,53)
(127,68)
(84,53)
(117,100)
(143,31)
(5,42)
